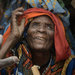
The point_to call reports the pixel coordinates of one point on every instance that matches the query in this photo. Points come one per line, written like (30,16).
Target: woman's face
(40,34)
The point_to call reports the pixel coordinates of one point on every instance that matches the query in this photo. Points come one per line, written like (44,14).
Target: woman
(39,41)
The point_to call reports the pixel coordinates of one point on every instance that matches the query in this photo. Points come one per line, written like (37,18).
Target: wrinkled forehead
(42,18)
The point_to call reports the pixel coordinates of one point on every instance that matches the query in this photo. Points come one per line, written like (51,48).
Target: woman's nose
(42,28)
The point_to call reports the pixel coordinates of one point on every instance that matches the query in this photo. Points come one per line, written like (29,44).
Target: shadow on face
(40,34)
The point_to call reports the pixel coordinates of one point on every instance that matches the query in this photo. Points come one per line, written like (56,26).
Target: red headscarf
(61,45)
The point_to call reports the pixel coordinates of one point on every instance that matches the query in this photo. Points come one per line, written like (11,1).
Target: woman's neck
(40,58)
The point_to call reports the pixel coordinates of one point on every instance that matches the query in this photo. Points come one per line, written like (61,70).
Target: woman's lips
(39,38)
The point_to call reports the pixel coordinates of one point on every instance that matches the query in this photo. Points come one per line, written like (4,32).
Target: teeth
(40,38)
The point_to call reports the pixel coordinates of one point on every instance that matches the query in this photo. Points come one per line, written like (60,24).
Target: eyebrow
(36,22)
(50,23)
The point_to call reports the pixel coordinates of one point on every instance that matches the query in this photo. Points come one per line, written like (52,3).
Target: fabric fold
(62,48)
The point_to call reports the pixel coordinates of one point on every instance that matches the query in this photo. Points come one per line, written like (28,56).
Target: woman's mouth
(39,38)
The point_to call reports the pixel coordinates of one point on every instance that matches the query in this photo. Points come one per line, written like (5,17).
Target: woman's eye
(48,27)
(35,24)
(51,27)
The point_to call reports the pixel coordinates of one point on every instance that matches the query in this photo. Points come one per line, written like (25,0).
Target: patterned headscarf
(62,48)
(56,6)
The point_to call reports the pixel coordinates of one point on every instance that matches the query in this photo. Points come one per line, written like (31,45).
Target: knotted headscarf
(62,48)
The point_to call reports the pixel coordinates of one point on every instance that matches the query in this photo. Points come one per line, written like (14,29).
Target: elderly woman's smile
(39,38)
(40,33)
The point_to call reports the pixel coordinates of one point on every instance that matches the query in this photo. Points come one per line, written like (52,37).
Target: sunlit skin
(40,34)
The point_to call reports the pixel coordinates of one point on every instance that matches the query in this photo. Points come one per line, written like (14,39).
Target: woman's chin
(39,48)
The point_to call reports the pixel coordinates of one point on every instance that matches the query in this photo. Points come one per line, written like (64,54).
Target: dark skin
(40,37)
(6,61)
(14,36)
(41,46)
